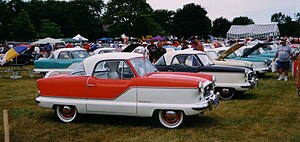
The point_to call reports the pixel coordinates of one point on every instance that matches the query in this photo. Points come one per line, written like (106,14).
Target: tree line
(29,20)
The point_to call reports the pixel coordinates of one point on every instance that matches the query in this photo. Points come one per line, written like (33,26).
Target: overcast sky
(260,11)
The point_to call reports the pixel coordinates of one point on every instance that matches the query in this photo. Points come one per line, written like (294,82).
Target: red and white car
(127,84)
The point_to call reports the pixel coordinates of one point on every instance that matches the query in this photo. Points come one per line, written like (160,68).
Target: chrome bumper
(252,83)
(212,101)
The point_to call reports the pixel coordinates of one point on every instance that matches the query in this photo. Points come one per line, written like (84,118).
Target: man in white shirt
(37,52)
(284,53)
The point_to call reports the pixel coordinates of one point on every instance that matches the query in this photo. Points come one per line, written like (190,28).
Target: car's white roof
(169,55)
(90,62)
(101,49)
(56,52)
(217,49)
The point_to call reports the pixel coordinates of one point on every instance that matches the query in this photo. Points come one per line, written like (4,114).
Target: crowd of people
(155,49)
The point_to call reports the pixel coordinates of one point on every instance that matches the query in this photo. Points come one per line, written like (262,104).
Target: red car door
(108,92)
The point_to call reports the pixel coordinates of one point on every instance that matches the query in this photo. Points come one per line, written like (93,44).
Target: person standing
(197,45)
(145,51)
(86,46)
(37,52)
(284,52)
(69,45)
(152,50)
(159,52)
(48,49)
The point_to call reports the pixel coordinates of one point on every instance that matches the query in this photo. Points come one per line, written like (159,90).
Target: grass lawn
(270,112)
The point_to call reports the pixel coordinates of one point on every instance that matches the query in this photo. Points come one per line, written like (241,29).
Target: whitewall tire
(170,118)
(66,113)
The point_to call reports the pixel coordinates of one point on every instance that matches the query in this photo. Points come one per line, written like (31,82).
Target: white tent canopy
(253,31)
(80,38)
(47,40)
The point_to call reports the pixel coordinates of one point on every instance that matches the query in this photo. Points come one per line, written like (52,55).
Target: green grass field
(270,112)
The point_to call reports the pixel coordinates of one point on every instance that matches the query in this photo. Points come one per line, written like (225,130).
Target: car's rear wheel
(170,118)
(226,93)
(66,113)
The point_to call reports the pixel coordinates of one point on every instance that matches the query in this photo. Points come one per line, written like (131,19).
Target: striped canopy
(13,52)
(253,31)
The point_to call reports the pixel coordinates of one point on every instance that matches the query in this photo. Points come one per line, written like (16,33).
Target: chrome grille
(208,89)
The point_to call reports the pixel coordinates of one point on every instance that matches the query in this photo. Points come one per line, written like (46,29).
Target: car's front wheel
(170,118)
(226,93)
(66,113)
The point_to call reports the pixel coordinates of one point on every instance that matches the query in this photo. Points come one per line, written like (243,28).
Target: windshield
(206,61)
(256,52)
(79,70)
(142,66)
(80,54)
(212,54)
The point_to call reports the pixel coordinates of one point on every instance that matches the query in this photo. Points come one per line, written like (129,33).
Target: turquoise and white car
(260,63)
(60,59)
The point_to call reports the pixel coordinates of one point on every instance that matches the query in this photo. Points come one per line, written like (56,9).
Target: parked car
(104,50)
(60,59)
(260,64)
(257,50)
(127,84)
(229,80)
(220,60)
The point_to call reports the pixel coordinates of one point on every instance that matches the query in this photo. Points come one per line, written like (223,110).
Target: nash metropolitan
(60,59)
(229,80)
(127,84)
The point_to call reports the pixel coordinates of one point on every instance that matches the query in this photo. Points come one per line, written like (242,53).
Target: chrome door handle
(91,85)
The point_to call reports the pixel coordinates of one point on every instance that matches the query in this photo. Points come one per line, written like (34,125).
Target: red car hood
(183,75)
(174,79)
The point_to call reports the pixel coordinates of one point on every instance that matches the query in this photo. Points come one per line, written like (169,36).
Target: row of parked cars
(180,84)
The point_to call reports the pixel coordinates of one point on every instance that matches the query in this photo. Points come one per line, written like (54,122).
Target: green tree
(83,17)
(191,20)
(8,11)
(133,18)
(286,25)
(72,17)
(278,17)
(49,29)
(21,27)
(3,19)
(165,19)
(298,18)
(220,27)
(242,20)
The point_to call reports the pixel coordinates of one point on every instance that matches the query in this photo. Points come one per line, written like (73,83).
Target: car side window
(175,61)
(113,69)
(125,71)
(161,61)
(101,70)
(65,55)
(51,56)
(192,61)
